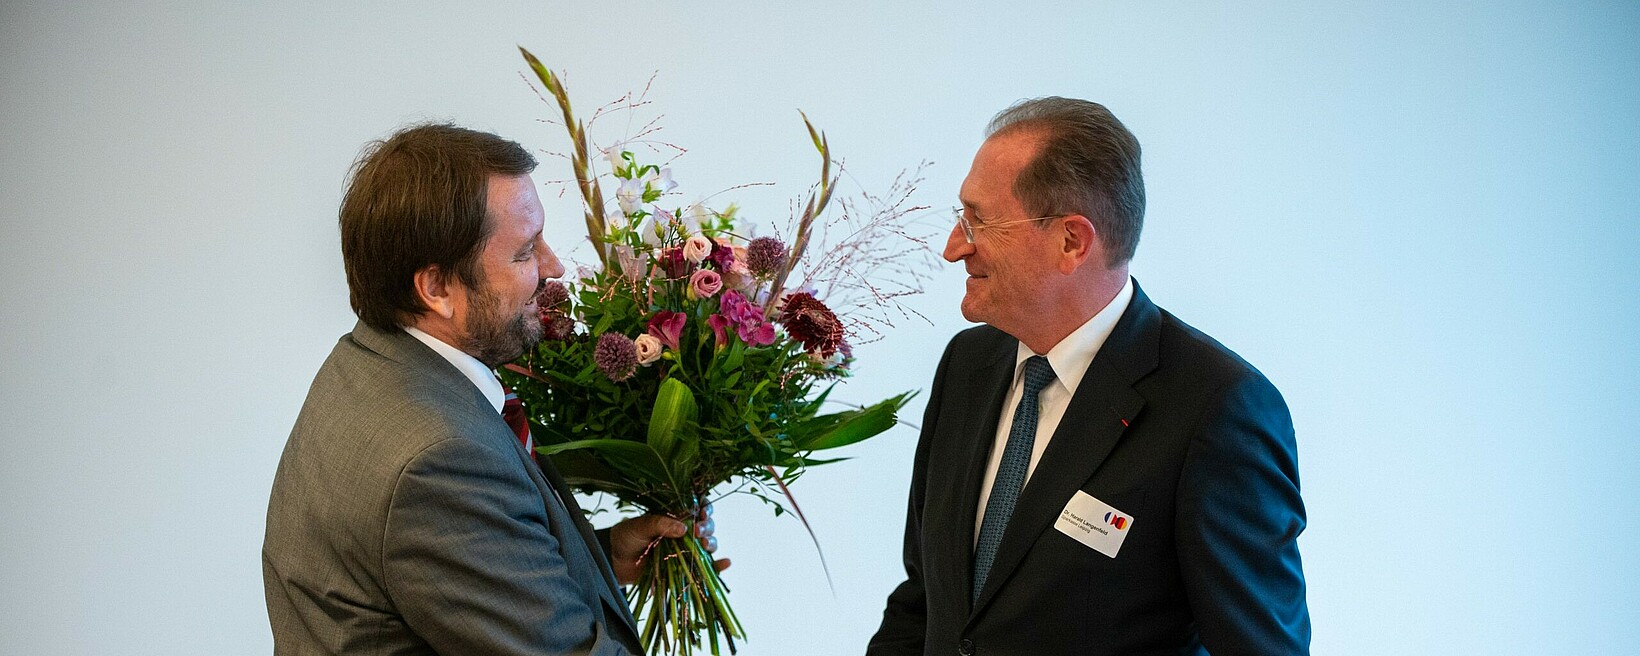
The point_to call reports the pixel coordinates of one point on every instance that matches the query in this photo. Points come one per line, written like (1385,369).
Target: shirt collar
(469,366)
(1071,357)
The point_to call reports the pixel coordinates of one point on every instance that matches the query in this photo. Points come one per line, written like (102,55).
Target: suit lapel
(584,527)
(1104,404)
(991,383)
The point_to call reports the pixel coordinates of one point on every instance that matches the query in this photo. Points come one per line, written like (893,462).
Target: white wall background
(1418,221)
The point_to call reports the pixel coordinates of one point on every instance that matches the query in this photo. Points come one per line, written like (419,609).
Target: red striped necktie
(512,412)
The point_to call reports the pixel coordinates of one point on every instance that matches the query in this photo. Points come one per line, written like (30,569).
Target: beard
(497,335)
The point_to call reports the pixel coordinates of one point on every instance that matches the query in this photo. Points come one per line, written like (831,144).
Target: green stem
(683,602)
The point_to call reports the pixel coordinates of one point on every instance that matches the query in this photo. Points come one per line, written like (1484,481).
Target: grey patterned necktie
(1016,461)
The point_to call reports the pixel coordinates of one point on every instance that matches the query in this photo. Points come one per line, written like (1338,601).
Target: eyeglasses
(969,228)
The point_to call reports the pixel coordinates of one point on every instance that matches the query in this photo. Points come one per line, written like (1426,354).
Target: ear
(435,292)
(1079,243)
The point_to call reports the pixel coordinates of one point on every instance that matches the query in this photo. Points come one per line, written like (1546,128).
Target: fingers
(721,564)
(661,526)
(670,528)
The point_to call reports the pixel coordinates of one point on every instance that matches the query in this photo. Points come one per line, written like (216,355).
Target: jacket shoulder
(1208,362)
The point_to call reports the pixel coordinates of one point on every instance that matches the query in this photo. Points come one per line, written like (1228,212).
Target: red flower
(723,256)
(556,326)
(667,326)
(673,263)
(809,321)
(718,323)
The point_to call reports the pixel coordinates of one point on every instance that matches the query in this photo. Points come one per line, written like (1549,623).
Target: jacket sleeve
(1238,519)
(905,619)
(471,565)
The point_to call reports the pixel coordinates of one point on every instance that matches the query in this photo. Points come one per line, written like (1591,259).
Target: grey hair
(1088,164)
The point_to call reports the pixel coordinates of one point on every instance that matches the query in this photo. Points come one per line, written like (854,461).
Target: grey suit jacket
(406,519)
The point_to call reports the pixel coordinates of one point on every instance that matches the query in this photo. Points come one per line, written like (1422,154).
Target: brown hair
(414,199)
(1088,164)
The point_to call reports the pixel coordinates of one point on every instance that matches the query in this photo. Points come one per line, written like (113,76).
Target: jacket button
(966,647)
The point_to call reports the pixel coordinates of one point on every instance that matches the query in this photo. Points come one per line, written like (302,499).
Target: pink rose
(649,349)
(705,283)
(697,248)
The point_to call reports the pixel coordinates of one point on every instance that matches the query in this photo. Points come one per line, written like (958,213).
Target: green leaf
(736,355)
(849,427)
(674,408)
(634,459)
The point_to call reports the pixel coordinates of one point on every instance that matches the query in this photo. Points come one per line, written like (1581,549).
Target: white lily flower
(629,196)
(661,181)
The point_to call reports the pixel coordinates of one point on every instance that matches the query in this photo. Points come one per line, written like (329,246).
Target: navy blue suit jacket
(1167,426)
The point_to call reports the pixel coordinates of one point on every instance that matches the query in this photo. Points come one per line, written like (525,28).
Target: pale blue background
(1418,221)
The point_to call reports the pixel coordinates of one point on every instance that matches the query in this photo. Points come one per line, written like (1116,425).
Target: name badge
(1094,523)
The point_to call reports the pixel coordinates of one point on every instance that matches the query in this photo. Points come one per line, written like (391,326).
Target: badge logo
(1116,520)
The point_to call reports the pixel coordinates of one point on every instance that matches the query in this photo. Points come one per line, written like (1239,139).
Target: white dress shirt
(1070,359)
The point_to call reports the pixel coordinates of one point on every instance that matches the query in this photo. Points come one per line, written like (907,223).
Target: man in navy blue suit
(1093,476)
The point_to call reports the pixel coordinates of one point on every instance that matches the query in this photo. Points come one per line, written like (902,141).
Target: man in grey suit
(407,516)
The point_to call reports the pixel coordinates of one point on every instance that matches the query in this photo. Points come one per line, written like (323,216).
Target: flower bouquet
(682,363)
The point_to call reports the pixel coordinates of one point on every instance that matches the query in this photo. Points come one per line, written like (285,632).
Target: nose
(957,246)
(550,266)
